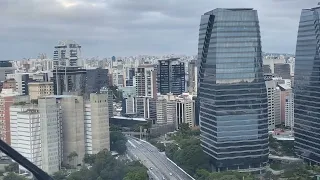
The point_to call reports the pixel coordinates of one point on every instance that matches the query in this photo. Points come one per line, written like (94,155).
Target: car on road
(151,168)
(170,174)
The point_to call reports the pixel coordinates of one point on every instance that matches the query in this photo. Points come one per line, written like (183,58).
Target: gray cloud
(131,27)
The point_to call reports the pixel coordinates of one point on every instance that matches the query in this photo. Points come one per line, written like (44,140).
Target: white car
(151,168)
(170,174)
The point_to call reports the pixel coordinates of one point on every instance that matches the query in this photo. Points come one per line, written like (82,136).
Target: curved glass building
(307,87)
(232,90)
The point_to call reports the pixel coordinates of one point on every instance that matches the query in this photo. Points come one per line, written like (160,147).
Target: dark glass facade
(69,79)
(96,79)
(282,70)
(131,73)
(232,91)
(307,87)
(171,76)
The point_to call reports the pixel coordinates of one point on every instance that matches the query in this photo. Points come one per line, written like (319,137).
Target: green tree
(60,175)
(13,167)
(89,158)
(202,174)
(13,176)
(136,175)
(160,146)
(191,158)
(120,146)
(118,142)
(72,157)
(83,174)
(106,167)
(184,128)
(170,149)
(136,171)
(114,128)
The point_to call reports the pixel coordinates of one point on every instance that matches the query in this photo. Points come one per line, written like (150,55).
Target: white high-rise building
(166,109)
(146,85)
(271,90)
(67,53)
(97,124)
(13,111)
(161,106)
(175,109)
(192,77)
(130,105)
(28,142)
(185,110)
(289,111)
(35,133)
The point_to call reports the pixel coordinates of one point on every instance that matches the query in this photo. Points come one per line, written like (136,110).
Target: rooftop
(126,118)
(227,9)
(39,82)
(284,86)
(60,96)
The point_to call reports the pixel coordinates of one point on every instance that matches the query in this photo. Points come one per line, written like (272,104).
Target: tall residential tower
(66,54)
(233,97)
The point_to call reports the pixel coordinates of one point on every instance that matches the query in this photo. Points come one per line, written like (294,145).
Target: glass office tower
(232,91)
(171,76)
(307,87)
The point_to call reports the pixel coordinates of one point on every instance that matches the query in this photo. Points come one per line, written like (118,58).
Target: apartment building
(40,89)
(287,105)
(185,110)
(8,97)
(28,136)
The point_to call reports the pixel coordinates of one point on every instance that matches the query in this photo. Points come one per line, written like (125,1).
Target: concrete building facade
(51,145)
(97,124)
(72,114)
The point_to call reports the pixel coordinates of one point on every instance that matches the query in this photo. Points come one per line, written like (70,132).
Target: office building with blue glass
(171,76)
(307,87)
(232,91)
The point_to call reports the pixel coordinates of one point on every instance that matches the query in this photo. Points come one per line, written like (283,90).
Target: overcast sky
(131,27)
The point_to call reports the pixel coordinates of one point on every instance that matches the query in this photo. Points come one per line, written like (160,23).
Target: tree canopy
(118,142)
(105,167)
(14,176)
(12,167)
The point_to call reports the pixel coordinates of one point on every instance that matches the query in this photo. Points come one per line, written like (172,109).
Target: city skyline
(155,27)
